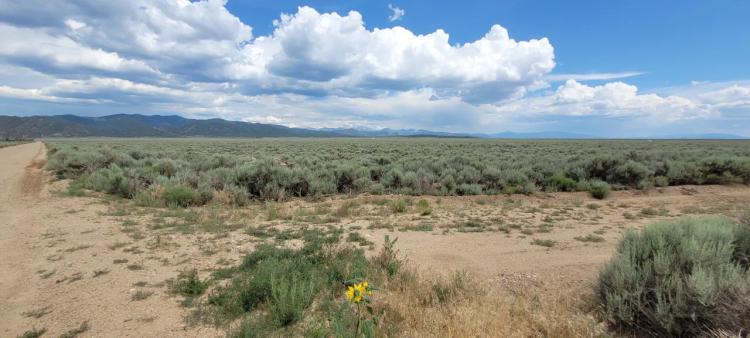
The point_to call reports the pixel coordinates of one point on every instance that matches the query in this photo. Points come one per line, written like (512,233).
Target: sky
(621,68)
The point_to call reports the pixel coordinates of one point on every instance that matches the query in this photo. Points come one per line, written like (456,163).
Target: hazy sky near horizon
(607,68)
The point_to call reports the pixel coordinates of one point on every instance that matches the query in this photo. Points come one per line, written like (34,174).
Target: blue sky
(609,68)
(673,43)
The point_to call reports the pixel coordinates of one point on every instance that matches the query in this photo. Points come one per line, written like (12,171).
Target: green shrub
(286,281)
(290,296)
(424,207)
(398,205)
(447,184)
(179,196)
(33,333)
(599,189)
(468,189)
(188,284)
(238,195)
(681,278)
(561,183)
(631,173)
(527,188)
(377,189)
(661,181)
(544,242)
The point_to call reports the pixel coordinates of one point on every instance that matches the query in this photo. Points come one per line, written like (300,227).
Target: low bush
(179,196)
(290,296)
(424,207)
(683,278)
(544,242)
(286,282)
(599,190)
(188,284)
(398,205)
(561,183)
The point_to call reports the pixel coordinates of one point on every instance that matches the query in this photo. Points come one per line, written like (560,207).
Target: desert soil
(52,250)
(73,260)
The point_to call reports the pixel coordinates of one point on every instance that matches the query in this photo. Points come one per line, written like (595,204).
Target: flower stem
(359,318)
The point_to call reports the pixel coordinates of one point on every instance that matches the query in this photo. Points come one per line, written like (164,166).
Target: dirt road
(57,272)
(19,187)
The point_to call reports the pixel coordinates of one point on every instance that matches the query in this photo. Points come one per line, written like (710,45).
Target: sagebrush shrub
(179,196)
(468,189)
(238,195)
(599,189)
(290,296)
(632,174)
(681,278)
(661,181)
(561,183)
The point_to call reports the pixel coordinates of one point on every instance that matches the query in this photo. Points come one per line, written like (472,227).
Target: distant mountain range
(135,125)
(126,125)
(508,134)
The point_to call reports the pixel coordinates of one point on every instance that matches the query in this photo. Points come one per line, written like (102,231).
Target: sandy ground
(53,248)
(571,263)
(73,260)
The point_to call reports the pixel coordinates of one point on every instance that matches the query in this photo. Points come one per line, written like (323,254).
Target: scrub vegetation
(295,229)
(683,278)
(194,172)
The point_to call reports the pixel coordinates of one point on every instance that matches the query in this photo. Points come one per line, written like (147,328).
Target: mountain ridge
(138,125)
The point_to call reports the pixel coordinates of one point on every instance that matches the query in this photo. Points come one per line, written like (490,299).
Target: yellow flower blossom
(355,293)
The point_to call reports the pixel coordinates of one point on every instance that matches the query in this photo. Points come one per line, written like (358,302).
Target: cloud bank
(314,69)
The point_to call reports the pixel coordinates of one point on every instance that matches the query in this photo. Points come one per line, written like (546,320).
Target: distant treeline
(195,172)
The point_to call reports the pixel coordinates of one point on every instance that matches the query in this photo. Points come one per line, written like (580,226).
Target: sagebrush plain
(455,237)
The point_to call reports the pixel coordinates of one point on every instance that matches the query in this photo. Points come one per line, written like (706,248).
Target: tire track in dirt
(33,179)
(21,179)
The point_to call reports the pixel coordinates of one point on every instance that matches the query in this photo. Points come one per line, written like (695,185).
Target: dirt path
(19,185)
(57,270)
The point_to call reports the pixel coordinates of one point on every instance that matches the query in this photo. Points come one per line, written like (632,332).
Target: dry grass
(461,306)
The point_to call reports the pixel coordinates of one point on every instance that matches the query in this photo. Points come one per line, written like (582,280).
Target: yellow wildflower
(355,293)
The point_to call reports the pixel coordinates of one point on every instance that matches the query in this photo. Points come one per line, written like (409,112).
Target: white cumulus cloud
(614,99)
(312,69)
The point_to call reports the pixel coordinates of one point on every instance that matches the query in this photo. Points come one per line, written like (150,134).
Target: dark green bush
(599,190)
(179,196)
(561,183)
(632,174)
(682,278)
(188,284)
(661,181)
